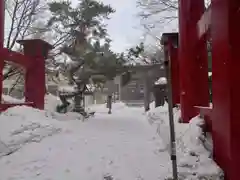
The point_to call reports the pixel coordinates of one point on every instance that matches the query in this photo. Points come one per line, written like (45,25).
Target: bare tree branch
(15,83)
(23,14)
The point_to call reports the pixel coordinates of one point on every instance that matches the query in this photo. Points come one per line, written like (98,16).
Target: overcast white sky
(124,26)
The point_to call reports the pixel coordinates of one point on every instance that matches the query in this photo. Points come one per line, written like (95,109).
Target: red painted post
(170,43)
(173,55)
(2,17)
(225,85)
(35,75)
(193,60)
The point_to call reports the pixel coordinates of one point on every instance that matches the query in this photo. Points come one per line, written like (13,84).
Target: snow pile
(194,161)
(161,80)
(51,102)
(9,99)
(22,125)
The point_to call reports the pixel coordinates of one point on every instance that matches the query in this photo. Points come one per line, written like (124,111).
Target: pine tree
(83,27)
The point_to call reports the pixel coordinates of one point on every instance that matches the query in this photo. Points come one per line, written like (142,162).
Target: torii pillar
(35,86)
(2,17)
(193,60)
(225,85)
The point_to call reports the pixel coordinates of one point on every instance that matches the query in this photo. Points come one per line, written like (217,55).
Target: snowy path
(122,145)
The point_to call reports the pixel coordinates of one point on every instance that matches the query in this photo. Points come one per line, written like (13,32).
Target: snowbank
(51,101)
(9,99)
(22,125)
(194,161)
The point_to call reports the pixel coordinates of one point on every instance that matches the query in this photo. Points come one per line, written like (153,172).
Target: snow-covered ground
(44,145)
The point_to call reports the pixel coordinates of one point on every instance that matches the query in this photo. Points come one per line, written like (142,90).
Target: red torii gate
(33,60)
(220,22)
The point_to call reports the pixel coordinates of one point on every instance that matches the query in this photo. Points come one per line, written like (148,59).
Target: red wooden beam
(204,23)
(16,57)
